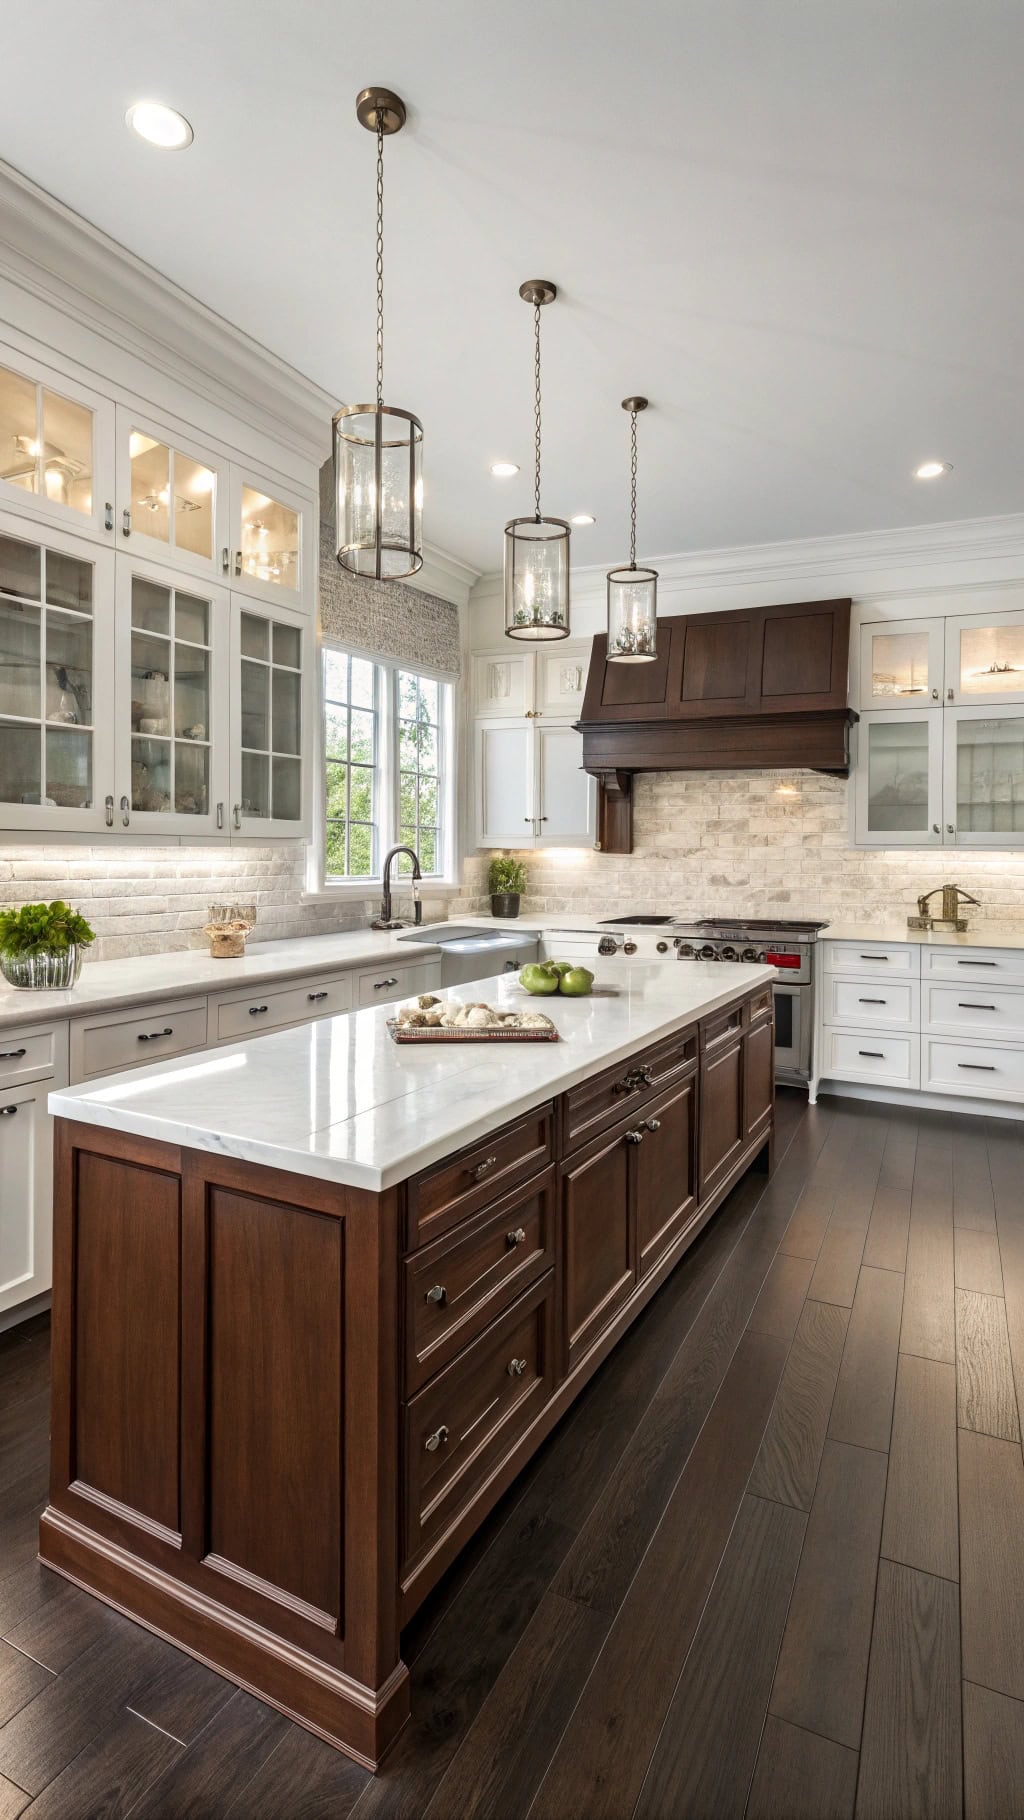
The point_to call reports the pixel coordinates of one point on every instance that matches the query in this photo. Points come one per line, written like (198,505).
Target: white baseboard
(13,1317)
(922,1102)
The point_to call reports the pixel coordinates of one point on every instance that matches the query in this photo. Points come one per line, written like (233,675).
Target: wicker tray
(413,1033)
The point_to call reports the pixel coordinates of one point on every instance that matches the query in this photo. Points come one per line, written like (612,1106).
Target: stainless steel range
(787,946)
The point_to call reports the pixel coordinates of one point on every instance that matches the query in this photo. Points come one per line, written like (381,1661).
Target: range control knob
(760,954)
(729,954)
(707,953)
(749,954)
(662,947)
(607,945)
(685,950)
(629,947)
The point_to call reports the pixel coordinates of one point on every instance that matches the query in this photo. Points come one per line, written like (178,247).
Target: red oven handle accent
(781,960)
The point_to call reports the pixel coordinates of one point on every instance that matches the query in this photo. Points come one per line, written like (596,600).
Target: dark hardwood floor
(771,1564)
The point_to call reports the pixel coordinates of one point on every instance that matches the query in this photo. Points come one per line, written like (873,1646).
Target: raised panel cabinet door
(722,1114)
(898,778)
(26,1193)
(983,777)
(599,1235)
(666,1171)
(617,691)
(804,656)
(714,658)
(758,1076)
(566,795)
(506,812)
(901,664)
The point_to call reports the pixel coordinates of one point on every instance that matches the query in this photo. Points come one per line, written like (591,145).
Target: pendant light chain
(380,257)
(632,492)
(536,409)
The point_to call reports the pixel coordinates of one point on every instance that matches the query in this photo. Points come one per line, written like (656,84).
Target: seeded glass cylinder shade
(378,477)
(632,615)
(537,578)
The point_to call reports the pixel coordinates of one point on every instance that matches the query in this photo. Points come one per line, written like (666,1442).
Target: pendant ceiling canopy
(632,591)
(537,548)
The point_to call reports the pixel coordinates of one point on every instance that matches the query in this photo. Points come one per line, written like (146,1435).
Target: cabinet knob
(437,1439)
(7,1112)
(516,1368)
(518,1237)
(653,1124)
(437,1294)
(935,694)
(935,828)
(634,1137)
(483,1168)
(950,828)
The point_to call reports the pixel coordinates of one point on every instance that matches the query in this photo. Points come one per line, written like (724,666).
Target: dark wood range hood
(754,689)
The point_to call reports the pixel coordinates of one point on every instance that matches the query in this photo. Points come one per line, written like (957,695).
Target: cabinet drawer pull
(392,980)
(11,1055)
(518,1237)
(877,1055)
(653,1124)
(479,1170)
(874,957)
(126,523)
(634,1137)
(979,1067)
(977,963)
(154,1035)
(872,1001)
(256,1010)
(109,811)
(314,997)
(437,1439)
(7,1112)
(969,1004)
(437,1294)
(516,1368)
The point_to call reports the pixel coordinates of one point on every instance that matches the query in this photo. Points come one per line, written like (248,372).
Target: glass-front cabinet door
(985,659)
(899,778)
(984,777)
(901,664)
(56,448)
(271,541)
(270,657)
(172,497)
(172,702)
(56,659)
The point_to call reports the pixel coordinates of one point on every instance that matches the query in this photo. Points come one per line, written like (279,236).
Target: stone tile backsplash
(752,844)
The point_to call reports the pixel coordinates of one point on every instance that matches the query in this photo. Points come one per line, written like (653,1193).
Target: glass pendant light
(537,548)
(378,448)
(632,592)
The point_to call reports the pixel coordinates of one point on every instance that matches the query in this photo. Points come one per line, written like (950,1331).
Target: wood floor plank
(591,1776)
(921,1526)
(812,1211)
(799,1776)
(780,1302)
(820,1679)
(839,1260)
(991,1562)
(722,1694)
(986,1400)
(61,1629)
(910,1759)
(21,1680)
(13,1801)
(1006,1163)
(230,1751)
(302,1778)
(111,1774)
(993,1755)
(928,1320)
(182,1698)
(862,1410)
(786,1468)
(973,1204)
(886,1245)
(976,1261)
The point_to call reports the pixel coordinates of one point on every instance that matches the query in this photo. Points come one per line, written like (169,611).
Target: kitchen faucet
(384,920)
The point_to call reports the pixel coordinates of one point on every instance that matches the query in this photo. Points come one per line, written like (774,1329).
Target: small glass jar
(43,972)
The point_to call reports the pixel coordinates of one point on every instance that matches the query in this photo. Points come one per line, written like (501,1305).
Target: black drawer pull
(877,1055)
(7,1112)
(874,957)
(977,963)
(967,1004)
(255,1010)
(154,1035)
(392,980)
(314,996)
(11,1055)
(872,1001)
(979,1067)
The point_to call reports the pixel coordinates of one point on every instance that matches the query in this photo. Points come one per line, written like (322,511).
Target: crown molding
(63,261)
(993,547)
(446,576)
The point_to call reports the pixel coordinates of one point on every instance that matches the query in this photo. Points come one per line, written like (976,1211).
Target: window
(386,777)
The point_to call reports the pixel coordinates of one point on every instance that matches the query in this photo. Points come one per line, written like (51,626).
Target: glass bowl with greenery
(506,881)
(42,945)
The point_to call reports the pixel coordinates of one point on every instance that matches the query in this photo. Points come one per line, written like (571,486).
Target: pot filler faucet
(385,919)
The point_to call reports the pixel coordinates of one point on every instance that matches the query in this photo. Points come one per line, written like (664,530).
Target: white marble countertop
(981,935)
(338,1099)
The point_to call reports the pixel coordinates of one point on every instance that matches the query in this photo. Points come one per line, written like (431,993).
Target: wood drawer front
(246,1014)
(32,1054)
(480,1268)
(976,965)
(469,1418)
(871,1055)
(382,985)
(724,1027)
(974,1008)
(871,1004)
(127,1039)
(596,1104)
(469,1181)
(979,1070)
(874,960)
(759,1006)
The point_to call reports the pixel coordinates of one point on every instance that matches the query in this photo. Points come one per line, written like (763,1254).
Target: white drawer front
(980,1070)
(381,985)
(128,1039)
(33,1053)
(875,1003)
(974,1008)
(248,1014)
(978,965)
(870,1055)
(872,960)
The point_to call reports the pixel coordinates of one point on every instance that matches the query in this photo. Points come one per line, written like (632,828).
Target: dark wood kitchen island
(317,1299)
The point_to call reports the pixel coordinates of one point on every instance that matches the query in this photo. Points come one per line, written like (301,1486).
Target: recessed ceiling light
(503,470)
(582,518)
(159,125)
(931,470)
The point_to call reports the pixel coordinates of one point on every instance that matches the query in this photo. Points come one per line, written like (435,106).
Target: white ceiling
(798,226)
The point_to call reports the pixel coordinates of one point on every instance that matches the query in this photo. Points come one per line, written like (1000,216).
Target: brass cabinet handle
(634,1137)
(512,1239)
(516,1368)
(437,1294)
(392,980)
(154,1035)
(481,1169)
(437,1439)
(11,1055)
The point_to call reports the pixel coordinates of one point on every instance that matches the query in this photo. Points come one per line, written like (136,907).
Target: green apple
(560,967)
(576,983)
(539,978)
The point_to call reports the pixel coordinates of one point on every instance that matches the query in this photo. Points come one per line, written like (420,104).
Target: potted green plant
(506,881)
(42,945)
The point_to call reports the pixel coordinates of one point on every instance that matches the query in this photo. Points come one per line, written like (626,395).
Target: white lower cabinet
(26,1158)
(113,1040)
(381,985)
(866,1055)
(982,1070)
(237,1015)
(877,1004)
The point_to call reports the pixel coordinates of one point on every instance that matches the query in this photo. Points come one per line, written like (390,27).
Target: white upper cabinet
(56,448)
(983,783)
(272,551)
(898,778)
(172,497)
(271,667)
(502,683)
(531,684)
(56,661)
(171,692)
(901,664)
(985,659)
(561,676)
